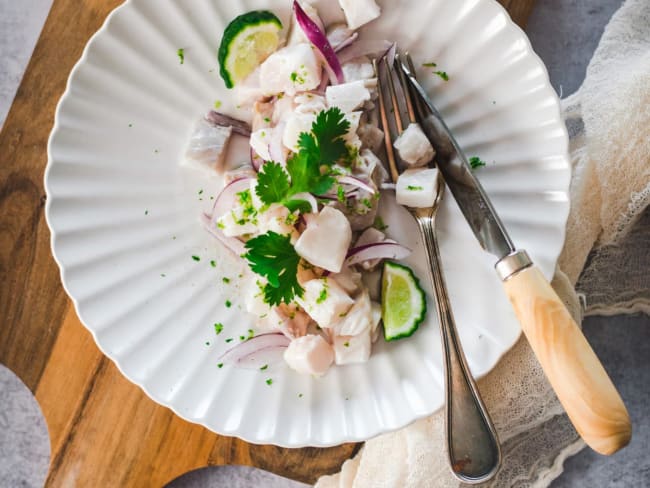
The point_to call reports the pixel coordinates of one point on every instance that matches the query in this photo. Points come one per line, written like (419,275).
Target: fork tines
(394,118)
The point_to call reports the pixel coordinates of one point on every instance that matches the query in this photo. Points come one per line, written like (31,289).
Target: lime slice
(403,304)
(247,41)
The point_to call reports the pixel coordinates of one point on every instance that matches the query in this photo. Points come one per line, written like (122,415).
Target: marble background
(564,33)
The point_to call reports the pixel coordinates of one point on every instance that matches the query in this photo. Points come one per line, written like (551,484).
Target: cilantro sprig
(308,169)
(273,256)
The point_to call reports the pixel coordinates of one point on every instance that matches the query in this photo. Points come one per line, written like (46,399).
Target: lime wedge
(403,304)
(247,41)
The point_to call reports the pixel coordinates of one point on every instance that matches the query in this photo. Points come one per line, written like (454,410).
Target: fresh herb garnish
(269,382)
(379,223)
(271,255)
(217,104)
(196,258)
(324,146)
(181,55)
(220,365)
(213,263)
(218,328)
(414,188)
(323,293)
(266,366)
(476,162)
(300,395)
(346,344)
(230,339)
(429,65)
(228,304)
(442,74)
(225,280)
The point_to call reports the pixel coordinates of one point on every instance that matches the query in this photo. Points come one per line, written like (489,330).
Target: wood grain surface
(104,431)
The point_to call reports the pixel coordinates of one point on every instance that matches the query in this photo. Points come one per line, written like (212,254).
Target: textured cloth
(606,257)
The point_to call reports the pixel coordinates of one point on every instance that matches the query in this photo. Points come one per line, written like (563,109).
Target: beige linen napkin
(609,125)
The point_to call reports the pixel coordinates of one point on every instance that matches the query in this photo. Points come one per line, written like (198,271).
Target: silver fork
(472,443)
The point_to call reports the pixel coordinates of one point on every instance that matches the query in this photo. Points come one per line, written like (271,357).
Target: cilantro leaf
(271,255)
(303,205)
(328,130)
(272,183)
(306,175)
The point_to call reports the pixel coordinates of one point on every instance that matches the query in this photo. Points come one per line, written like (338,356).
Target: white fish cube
(358,69)
(347,96)
(325,241)
(254,298)
(290,69)
(260,140)
(357,319)
(359,12)
(309,354)
(207,146)
(417,187)
(325,301)
(235,223)
(352,349)
(275,219)
(413,146)
(296,125)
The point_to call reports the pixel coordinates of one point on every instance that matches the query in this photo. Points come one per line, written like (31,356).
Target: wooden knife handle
(575,373)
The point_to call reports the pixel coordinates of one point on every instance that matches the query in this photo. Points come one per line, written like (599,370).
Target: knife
(582,385)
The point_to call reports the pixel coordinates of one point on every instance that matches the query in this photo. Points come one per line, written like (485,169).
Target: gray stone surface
(564,33)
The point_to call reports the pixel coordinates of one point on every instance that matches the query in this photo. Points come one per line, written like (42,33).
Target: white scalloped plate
(123,214)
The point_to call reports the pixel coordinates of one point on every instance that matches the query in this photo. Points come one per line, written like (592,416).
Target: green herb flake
(442,74)
(414,188)
(225,280)
(269,382)
(207,343)
(242,338)
(346,344)
(196,258)
(340,194)
(323,293)
(146,212)
(230,339)
(163,275)
(429,65)
(300,395)
(476,162)
(213,263)
(264,368)
(218,328)
(220,365)
(267,120)
(251,334)
(130,125)
(228,304)
(379,223)
(181,55)
(366,203)
(217,104)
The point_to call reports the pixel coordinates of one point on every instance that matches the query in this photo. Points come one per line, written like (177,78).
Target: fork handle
(571,366)
(472,443)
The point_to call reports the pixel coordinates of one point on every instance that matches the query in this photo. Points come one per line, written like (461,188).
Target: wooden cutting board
(103,430)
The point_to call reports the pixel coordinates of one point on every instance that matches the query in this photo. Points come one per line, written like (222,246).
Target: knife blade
(582,385)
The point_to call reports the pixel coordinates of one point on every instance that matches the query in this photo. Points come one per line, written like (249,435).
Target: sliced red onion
(243,352)
(366,47)
(356,182)
(379,250)
(228,197)
(231,243)
(318,38)
(309,198)
(238,126)
(370,236)
(346,42)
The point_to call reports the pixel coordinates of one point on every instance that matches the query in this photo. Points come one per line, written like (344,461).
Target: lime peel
(403,302)
(247,41)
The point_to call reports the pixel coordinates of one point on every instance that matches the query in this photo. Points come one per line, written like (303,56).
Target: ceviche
(302,212)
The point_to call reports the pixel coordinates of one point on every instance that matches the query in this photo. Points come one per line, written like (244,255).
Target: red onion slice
(309,198)
(354,181)
(379,250)
(238,126)
(228,197)
(231,243)
(244,351)
(256,160)
(318,38)
(366,47)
